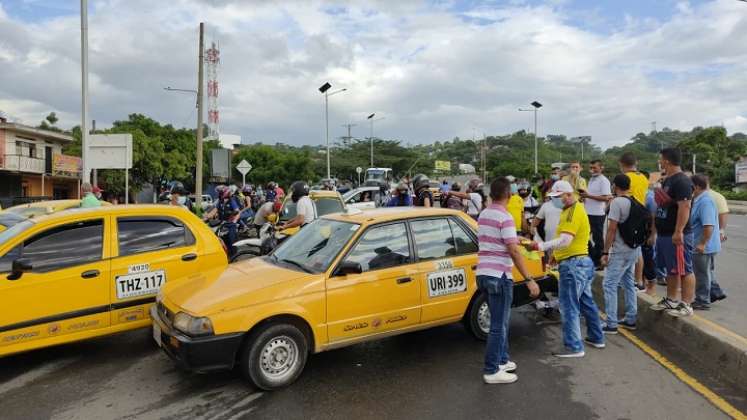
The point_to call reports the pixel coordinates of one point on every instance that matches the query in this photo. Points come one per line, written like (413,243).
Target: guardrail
(23,164)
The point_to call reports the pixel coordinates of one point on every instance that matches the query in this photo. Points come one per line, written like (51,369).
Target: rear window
(324,206)
(144,234)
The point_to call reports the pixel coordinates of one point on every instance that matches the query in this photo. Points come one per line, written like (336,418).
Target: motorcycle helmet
(298,190)
(419,182)
(270,195)
(246,189)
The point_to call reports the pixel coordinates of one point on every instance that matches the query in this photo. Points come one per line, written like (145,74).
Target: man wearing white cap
(576,272)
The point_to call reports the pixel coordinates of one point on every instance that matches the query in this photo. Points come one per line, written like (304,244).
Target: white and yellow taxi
(345,278)
(82,273)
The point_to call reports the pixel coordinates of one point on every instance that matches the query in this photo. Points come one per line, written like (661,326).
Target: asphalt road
(434,373)
(731,272)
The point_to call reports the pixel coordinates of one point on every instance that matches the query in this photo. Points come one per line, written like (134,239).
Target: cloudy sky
(434,69)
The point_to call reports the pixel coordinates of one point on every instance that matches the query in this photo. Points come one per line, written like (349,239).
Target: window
(315,246)
(465,244)
(26,149)
(60,247)
(328,206)
(433,239)
(138,234)
(382,247)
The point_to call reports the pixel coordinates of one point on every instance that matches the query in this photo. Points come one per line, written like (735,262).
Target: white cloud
(434,74)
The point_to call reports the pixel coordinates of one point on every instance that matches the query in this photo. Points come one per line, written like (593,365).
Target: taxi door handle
(90,274)
(404,280)
(189,257)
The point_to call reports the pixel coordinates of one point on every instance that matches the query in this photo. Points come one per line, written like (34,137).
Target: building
(32,166)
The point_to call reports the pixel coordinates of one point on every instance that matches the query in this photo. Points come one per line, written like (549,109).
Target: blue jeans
(500,293)
(621,267)
(231,237)
(574,293)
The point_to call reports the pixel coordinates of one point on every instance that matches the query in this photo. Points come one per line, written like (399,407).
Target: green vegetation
(164,153)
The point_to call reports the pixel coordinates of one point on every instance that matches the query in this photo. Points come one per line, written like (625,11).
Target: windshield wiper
(297,264)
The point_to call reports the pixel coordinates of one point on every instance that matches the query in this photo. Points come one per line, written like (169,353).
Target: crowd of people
(665,231)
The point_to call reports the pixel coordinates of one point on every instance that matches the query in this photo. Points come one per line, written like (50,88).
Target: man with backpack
(628,229)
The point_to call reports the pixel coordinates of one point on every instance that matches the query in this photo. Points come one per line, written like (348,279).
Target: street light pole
(535,106)
(325,90)
(371,118)
(198,160)
(85,176)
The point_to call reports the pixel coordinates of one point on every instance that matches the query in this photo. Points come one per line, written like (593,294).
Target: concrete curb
(715,348)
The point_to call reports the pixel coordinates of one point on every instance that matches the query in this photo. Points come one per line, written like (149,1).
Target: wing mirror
(349,267)
(20,266)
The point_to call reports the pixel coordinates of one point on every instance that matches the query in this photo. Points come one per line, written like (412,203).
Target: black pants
(597,236)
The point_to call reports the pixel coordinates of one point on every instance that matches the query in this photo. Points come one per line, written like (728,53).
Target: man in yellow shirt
(571,250)
(575,179)
(515,208)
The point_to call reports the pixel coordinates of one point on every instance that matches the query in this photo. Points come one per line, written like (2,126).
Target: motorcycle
(267,241)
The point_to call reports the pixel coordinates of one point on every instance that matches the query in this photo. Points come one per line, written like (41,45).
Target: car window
(465,244)
(382,247)
(315,246)
(328,205)
(62,246)
(433,239)
(144,234)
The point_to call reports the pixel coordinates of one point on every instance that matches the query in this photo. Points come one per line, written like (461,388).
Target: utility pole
(349,137)
(86,175)
(95,171)
(198,158)
(694,164)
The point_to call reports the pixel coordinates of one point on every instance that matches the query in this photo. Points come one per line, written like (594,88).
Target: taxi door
(64,292)
(385,296)
(447,260)
(150,250)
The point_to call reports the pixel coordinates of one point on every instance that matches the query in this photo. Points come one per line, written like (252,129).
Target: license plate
(443,283)
(157,333)
(140,284)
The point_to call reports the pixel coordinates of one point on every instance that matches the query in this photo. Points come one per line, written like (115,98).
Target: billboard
(110,151)
(220,163)
(740,171)
(66,165)
(443,165)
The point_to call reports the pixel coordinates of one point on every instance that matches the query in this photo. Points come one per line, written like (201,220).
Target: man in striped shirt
(499,251)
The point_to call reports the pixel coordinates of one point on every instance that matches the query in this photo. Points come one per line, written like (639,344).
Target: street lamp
(170,89)
(535,106)
(325,90)
(371,118)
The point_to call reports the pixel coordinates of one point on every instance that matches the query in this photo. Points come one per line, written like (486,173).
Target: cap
(96,190)
(559,188)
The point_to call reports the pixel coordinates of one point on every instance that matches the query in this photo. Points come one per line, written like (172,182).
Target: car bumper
(547,284)
(198,354)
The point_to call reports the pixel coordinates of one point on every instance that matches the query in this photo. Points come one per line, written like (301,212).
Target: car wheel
(274,356)
(478,318)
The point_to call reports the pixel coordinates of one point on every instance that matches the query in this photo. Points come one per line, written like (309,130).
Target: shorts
(666,254)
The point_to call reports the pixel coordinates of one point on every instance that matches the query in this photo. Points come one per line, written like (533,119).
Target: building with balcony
(32,166)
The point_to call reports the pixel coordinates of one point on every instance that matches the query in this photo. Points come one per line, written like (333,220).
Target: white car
(365,198)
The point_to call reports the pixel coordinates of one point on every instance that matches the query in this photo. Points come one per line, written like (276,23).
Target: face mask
(524,194)
(514,188)
(181,200)
(557,202)
(594,174)
(555,177)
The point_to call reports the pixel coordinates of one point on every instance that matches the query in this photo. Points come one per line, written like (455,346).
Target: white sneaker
(664,304)
(682,310)
(508,367)
(500,377)
(568,354)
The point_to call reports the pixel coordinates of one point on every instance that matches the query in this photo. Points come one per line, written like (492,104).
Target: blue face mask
(555,177)
(514,188)
(557,202)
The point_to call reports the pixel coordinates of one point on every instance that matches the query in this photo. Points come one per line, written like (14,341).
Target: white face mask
(181,200)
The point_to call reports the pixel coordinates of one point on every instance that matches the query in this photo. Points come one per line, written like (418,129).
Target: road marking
(693,383)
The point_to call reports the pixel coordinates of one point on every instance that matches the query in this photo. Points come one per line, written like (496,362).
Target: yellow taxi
(82,273)
(39,208)
(343,279)
(326,202)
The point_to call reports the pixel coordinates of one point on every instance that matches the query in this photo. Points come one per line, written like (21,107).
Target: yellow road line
(693,383)
(719,328)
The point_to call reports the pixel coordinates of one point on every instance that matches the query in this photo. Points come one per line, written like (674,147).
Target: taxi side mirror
(20,266)
(349,267)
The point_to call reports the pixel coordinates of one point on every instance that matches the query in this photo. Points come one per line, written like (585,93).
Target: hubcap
(279,357)
(483,318)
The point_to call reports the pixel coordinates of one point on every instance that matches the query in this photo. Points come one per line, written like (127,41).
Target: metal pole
(535,141)
(44,191)
(582,150)
(694,164)
(86,174)
(95,174)
(371,143)
(326,122)
(198,160)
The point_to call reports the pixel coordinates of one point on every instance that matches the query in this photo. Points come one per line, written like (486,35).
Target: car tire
(477,320)
(274,356)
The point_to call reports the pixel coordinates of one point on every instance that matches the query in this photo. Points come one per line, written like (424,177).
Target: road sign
(111,151)
(244,167)
(359,169)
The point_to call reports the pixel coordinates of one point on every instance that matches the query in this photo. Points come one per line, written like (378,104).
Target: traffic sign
(244,167)
(359,169)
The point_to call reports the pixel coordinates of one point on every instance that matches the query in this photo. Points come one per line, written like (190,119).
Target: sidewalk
(737,207)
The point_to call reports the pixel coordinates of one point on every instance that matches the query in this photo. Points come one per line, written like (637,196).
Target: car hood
(241,284)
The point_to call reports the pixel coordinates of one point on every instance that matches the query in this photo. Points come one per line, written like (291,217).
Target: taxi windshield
(314,247)
(375,174)
(324,206)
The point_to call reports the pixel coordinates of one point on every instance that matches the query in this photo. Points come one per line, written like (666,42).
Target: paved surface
(434,373)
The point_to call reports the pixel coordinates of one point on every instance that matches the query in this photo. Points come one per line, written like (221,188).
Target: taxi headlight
(193,326)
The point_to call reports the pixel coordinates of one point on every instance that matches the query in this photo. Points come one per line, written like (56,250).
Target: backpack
(636,229)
